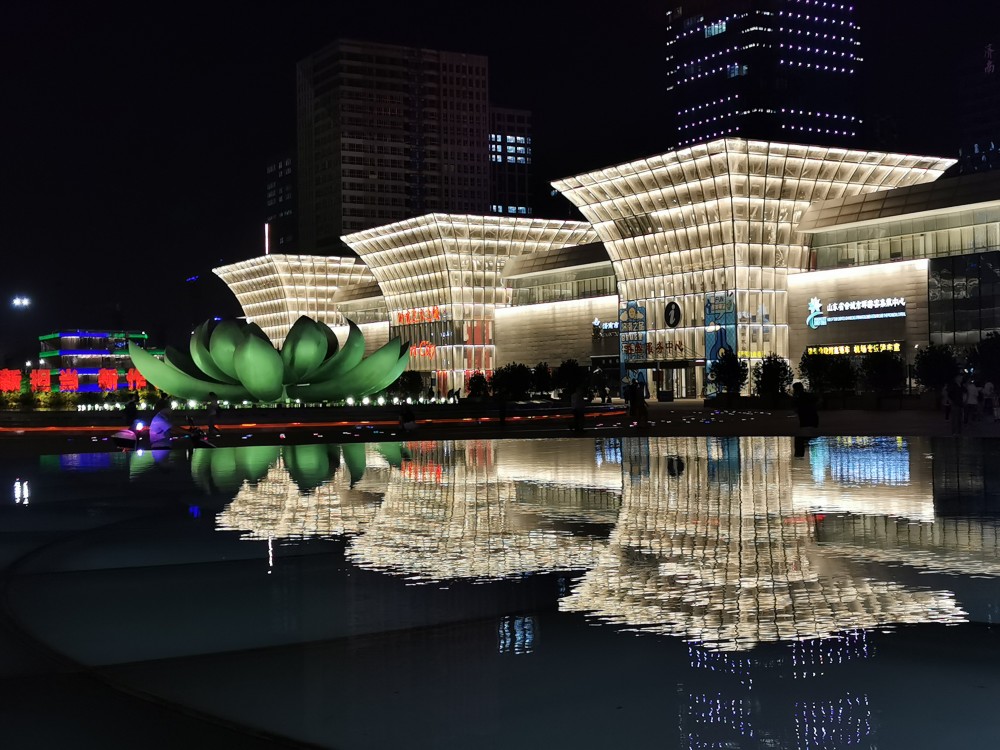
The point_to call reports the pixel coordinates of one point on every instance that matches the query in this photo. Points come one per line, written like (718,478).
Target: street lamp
(21,302)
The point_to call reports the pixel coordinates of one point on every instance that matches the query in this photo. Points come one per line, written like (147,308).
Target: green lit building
(89,353)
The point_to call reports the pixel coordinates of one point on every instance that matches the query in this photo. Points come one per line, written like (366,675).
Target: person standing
(955,394)
(971,401)
(989,400)
(212,413)
(131,408)
(804,404)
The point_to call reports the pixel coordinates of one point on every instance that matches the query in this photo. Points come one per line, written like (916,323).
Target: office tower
(786,70)
(979,108)
(280,220)
(386,133)
(510,161)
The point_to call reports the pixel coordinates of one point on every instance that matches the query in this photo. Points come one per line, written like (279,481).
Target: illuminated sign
(10,381)
(419,315)
(632,332)
(41,381)
(863,309)
(135,379)
(602,329)
(834,349)
(423,349)
(647,350)
(107,379)
(746,354)
(69,381)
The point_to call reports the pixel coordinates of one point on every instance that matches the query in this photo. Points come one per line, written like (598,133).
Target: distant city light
(21,302)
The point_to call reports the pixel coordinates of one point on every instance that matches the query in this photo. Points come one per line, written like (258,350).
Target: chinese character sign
(107,379)
(10,381)
(134,379)
(69,381)
(41,381)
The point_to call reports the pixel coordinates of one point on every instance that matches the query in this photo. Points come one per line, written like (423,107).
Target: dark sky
(135,136)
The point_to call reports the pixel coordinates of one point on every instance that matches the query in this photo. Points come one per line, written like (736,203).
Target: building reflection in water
(453,513)
(724,542)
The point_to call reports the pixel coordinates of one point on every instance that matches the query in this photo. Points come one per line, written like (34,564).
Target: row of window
(498,159)
(498,138)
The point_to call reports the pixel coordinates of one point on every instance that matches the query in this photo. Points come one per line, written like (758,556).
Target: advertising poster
(720,332)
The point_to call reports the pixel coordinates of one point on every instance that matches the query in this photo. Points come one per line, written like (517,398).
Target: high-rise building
(280,219)
(784,70)
(510,161)
(386,133)
(979,108)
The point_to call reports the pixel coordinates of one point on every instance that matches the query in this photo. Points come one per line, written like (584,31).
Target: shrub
(569,376)
(410,384)
(935,366)
(512,381)
(815,370)
(730,372)
(883,372)
(541,379)
(843,376)
(772,377)
(478,386)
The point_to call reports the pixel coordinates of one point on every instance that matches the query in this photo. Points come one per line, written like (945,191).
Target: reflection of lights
(710,556)
(21,492)
(516,635)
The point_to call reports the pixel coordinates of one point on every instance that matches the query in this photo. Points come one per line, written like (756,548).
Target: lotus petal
(171,380)
(222,344)
(350,354)
(226,476)
(392,373)
(259,368)
(394,453)
(354,382)
(254,461)
(354,457)
(304,349)
(308,465)
(202,356)
(182,361)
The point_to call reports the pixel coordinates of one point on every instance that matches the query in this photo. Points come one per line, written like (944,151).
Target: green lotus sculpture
(236,361)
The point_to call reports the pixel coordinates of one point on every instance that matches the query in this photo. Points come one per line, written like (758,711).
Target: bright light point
(366,401)
(139,426)
(21,302)
(381,401)
(350,400)
(28,363)
(174,404)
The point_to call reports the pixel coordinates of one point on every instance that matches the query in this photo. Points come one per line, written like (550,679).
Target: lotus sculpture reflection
(236,361)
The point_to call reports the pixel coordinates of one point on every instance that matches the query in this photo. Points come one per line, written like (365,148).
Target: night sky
(135,136)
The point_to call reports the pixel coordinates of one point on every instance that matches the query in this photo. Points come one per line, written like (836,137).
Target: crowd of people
(966,401)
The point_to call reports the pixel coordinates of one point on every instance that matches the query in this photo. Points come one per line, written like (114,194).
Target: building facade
(783,70)
(79,361)
(280,216)
(510,151)
(386,133)
(751,246)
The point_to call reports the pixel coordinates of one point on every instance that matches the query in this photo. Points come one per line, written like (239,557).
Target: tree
(935,366)
(815,370)
(730,372)
(478,386)
(843,376)
(772,377)
(512,381)
(569,376)
(883,372)
(408,385)
(541,379)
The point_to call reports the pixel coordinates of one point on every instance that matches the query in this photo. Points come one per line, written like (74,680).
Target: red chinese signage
(41,381)
(134,379)
(69,380)
(10,381)
(423,349)
(421,315)
(107,379)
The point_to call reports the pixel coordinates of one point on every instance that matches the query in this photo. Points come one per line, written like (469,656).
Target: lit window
(520,139)
(715,28)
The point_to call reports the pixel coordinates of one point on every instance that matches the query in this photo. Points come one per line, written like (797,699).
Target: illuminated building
(275,290)
(442,279)
(767,69)
(89,354)
(280,217)
(510,150)
(710,231)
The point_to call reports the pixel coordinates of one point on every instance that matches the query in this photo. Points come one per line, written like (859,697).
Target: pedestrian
(804,404)
(131,408)
(577,402)
(989,400)
(637,405)
(955,393)
(971,401)
(430,394)
(212,414)
(407,419)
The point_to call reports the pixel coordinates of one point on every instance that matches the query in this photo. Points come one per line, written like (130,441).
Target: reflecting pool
(743,592)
